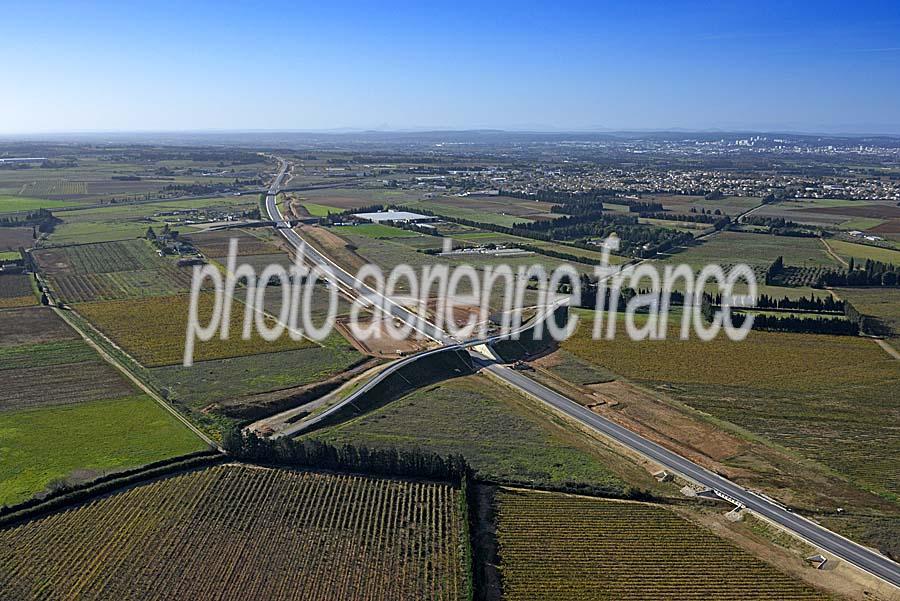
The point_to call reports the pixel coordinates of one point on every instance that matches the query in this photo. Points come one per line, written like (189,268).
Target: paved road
(870,561)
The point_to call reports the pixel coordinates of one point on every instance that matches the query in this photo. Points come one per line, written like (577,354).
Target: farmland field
(111,271)
(129,221)
(131,255)
(11,204)
(229,379)
(54,187)
(448,208)
(832,399)
(677,203)
(32,325)
(86,232)
(831,212)
(563,547)
(16,291)
(81,441)
(72,382)
(215,244)
(378,230)
(319,210)
(242,532)
(97,178)
(861,252)
(153,329)
(502,434)
(755,249)
(12,238)
(882,303)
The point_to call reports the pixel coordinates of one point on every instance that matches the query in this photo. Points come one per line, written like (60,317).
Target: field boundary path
(833,254)
(866,559)
(890,350)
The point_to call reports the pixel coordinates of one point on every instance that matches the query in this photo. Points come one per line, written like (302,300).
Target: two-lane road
(864,558)
(822,538)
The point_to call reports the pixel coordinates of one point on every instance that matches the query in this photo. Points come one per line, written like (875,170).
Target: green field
(10,255)
(860,223)
(11,204)
(124,221)
(502,434)
(562,547)
(85,440)
(317,210)
(85,232)
(378,230)
(728,248)
(860,252)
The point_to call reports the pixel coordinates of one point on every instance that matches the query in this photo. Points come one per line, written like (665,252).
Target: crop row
(104,257)
(238,532)
(122,284)
(153,329)
(53,187)
(556,546)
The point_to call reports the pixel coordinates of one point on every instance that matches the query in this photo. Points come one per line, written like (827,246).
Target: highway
(868,560)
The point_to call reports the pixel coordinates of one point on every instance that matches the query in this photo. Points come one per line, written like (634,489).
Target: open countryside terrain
(563,547)
(153,329)
(66,415)
(239,532)
(111,271)
(832,399)
(16,290)
(502,434)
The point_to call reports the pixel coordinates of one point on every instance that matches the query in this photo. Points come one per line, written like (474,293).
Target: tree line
(813,304)
(873,273)
(415,463)
(837,326)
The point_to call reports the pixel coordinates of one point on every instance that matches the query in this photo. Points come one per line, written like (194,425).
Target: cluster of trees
(873,273)
(40,220)
(59,164)
(776,222)
(595,197)
(813,304)
(816,325)
(636,239)
(198,189)
(578,206)
(774,269)
(360,459)
(779,226)
(638,206)
(695,218)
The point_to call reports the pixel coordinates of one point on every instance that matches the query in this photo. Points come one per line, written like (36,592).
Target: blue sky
(99,66)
